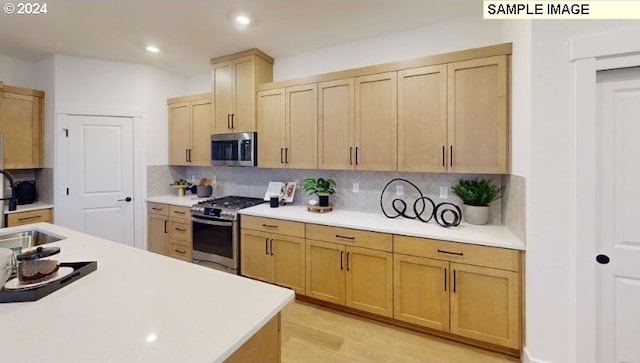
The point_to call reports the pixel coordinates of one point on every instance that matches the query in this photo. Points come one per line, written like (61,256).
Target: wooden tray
(319,209)
(80,269)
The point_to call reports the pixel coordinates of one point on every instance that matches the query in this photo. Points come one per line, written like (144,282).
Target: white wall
(551,205)
(199,84)
(17,72)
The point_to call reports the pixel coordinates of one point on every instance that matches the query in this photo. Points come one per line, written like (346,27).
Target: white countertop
(187,201)
(487,235)
(136,307)
(27,207)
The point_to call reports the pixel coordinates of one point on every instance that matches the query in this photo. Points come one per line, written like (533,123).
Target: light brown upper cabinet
(478,121)
(235,78)
(289,141)
(376,122)
(422,119)
(336,124)
(21,122)
(190,130)
(357,123)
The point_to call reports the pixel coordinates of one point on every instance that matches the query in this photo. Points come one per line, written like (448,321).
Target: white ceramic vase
(475,215)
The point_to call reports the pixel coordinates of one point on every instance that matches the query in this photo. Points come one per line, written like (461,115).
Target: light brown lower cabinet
(477,302)
(169,230)
(33,216)
(273,257)
(349,273)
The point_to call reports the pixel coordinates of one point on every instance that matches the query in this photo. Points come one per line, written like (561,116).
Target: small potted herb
(476,195)
(320,187)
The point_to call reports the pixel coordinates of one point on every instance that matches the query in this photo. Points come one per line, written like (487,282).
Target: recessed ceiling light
(152,48)
(241,19)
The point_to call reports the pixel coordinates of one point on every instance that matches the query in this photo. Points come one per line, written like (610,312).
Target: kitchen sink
(27,238)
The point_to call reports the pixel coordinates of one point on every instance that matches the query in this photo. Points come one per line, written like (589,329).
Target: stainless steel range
(216,231)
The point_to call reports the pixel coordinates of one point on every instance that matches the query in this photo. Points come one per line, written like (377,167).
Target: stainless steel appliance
(235,149)
(216,231)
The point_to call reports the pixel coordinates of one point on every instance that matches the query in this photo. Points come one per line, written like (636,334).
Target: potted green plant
(320,187)
(476,195)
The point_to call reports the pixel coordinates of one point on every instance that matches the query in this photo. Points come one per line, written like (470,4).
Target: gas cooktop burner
(225,207)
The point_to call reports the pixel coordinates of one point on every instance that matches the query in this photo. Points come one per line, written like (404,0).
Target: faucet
(12,200)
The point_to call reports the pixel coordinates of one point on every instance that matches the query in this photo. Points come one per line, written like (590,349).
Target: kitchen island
(141,307)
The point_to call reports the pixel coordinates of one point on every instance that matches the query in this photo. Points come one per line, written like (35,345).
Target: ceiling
(190,32)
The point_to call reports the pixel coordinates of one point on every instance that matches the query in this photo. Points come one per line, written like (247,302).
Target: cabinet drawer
(158,209)
(501,258)
(179,212)
(179,250)
(351,237)
(289,228)
(179,229)
(34,216)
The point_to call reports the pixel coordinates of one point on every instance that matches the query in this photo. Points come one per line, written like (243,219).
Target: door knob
(602,259)
(127,199)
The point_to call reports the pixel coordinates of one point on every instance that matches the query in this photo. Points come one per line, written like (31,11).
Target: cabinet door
(485,304)
(301,150)
(336,125)
(421,291)
(255,259)
(222,97)
(325,270)
(271,128)
(422,119)
(200,150)
(288,261)
(21,123)
(158,234)
(478,116)
(369,280)
(179,133)
(376,126)
(244,95)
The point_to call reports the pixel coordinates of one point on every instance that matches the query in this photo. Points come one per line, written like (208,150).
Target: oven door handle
(210,222)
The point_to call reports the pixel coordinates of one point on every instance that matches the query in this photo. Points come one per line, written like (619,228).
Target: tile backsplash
(253,182)
(160,176)
(514,205)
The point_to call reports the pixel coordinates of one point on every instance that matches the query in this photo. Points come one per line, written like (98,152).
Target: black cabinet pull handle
(186,155)
(182,252)
(442,155)
(271,246)
(266,246)
(281,155)
(180,229)
(451,253)
(28,218)
(179,212)
(451,155)
(341,256)
(445,279)
(286,155)
(228,120)
(232,125)
(454,281)
(357,147)
(165,226)
(351,155)
(345,237)
(154,208)
(269,225)
(189,155)
(348,262)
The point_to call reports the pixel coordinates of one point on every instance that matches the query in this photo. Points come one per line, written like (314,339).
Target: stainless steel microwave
(235,149)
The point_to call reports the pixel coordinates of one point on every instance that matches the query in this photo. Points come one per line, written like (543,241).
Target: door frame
(61,170)
(590,54)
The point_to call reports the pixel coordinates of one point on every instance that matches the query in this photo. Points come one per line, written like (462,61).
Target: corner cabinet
(235,78)
(467,290)
(478,116)
(190,130)
(21,122)
(287,125)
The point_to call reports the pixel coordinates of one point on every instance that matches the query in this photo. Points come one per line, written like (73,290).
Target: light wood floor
(311,333)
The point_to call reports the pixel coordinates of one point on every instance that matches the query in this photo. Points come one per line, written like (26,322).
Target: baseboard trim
(527,358)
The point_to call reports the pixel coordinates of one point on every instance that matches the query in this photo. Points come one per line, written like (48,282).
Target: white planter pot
(475,215)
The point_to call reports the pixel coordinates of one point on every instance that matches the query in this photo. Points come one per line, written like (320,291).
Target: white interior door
(100,164)
(618,216)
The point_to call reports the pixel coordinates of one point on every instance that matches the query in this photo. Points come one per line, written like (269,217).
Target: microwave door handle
(211,223)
